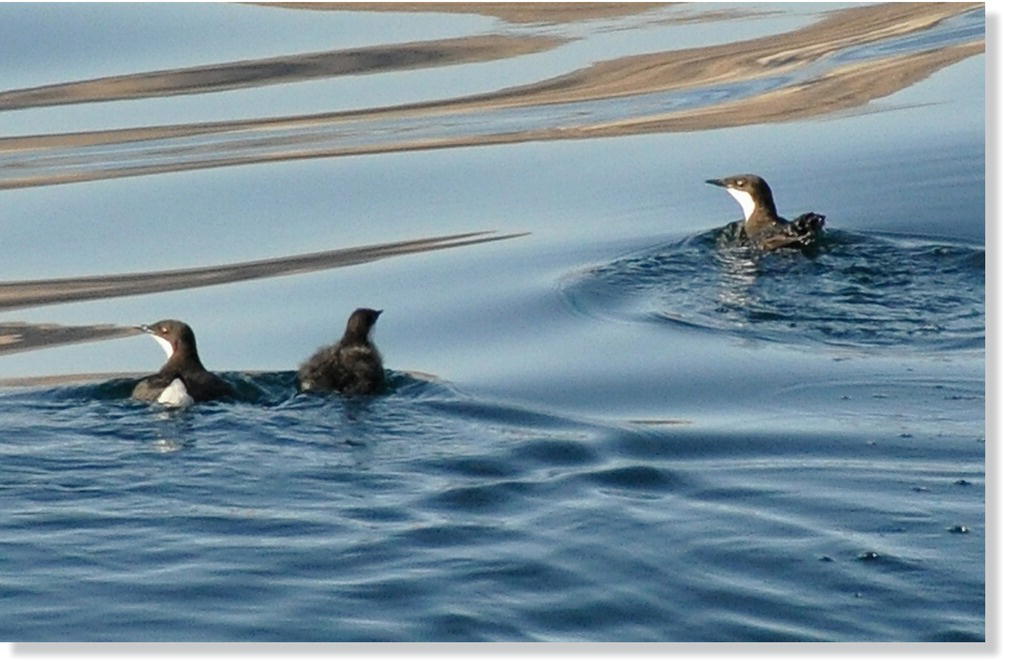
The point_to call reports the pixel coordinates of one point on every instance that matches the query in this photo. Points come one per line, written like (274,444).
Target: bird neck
(184,357)
(760,213)
(355,338)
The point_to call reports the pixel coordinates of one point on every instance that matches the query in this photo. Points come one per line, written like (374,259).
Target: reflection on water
(737,274)
(856,290)
(514,12)
(827,66)
(280,70)
(15,337)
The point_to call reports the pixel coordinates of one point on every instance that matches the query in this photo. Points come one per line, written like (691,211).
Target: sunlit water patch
(864,291)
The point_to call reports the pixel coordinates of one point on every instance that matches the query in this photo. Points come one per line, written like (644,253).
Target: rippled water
(853,290)
(428,513)
(603,422)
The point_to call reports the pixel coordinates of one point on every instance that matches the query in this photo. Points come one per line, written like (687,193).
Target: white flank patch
(175,395)
(745,201)
(164,344)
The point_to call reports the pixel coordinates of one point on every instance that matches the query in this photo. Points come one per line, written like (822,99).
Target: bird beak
(144,328)
(717,181)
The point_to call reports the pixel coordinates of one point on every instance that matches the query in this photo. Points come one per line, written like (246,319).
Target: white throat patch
(745,201)
(175,395)
(164,344)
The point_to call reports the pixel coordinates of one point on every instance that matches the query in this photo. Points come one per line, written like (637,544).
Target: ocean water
(608,428)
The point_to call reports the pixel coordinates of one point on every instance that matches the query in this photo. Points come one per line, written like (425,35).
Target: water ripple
(430,514)
(860,291)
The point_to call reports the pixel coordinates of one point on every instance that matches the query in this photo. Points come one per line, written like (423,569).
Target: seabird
(183,379)
(761,225)
(352,365)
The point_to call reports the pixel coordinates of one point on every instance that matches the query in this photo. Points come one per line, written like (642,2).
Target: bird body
(175,395)
(761,225)
(353,365)
(182,380)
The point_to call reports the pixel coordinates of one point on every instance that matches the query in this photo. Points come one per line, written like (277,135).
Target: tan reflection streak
(633,75)
(79,378)
(705,66)
(514,12)
(845,87)
(281,69)
(838,90)
(841,89)
(740,61)
(27,294)
(73,378)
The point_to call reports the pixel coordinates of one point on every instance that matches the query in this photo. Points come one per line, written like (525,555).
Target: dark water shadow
(22,336)
(265,388)
(280,70)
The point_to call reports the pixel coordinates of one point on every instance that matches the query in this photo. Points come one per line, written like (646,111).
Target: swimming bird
(352,365)
(183,379)
(762,226)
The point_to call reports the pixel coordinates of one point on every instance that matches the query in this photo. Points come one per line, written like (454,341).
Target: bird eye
(164,330)
(740,182)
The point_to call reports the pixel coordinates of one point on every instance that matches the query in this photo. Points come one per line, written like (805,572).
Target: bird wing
(151,387)
(207,386)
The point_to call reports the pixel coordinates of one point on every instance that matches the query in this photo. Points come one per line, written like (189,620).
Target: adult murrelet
(761,225)
(182,380)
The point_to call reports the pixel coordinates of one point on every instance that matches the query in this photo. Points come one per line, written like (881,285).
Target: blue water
(853,291)
(612,429)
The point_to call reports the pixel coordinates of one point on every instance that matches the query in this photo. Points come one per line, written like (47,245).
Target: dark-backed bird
(182,380)
(761,225)
(352,365)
